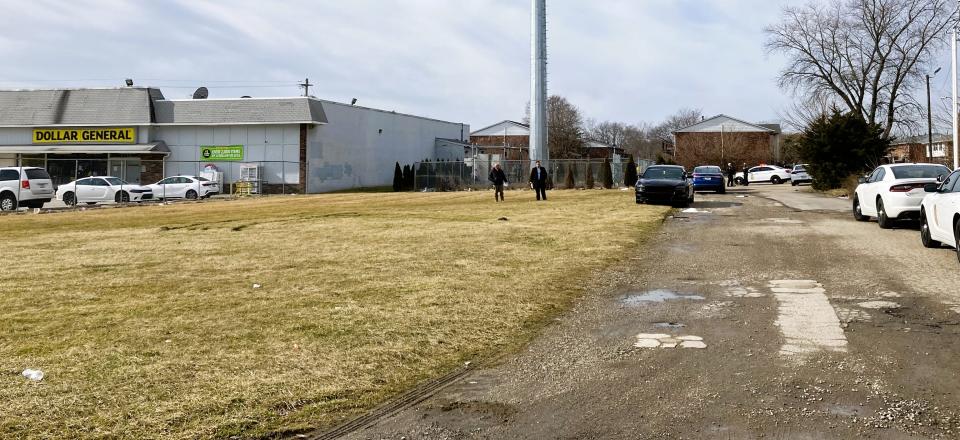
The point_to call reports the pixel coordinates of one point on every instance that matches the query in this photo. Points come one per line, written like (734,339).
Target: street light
(930,118)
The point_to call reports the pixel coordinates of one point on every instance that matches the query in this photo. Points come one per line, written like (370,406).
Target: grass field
(147,324)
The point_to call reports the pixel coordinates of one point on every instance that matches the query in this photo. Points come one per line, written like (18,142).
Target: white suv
(24,186)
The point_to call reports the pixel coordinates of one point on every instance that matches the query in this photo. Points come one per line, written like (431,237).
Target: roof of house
(726,123)
(300,110)
(74,107)
(922,139)
(598,144)
(504,128)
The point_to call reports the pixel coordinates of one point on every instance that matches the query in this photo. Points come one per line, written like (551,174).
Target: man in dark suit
(497,178)
(538,180)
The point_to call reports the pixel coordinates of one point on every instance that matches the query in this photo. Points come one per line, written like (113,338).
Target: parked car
(709,178)
(940,213)
(799,175)
(894,192)
(29,187)
(665,184)
(184,187)
(93,190)
(765,173)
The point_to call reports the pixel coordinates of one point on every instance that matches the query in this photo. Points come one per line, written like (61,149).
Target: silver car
(799,175)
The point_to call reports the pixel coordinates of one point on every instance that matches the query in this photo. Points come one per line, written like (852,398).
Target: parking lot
(765,312)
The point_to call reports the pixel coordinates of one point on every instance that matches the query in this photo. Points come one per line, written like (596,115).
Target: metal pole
(929,123)
(538,82)
(953,111)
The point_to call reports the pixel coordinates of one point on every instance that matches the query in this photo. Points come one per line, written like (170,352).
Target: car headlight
(639,187)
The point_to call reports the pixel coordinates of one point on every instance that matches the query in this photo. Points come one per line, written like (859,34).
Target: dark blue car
(709,178)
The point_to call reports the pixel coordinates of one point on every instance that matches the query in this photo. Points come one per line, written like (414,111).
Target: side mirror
(940,178)
(931,187)
(862,180)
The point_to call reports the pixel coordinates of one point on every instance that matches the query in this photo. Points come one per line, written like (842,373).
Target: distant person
(731,174)
(498,179)
(538,181)
(746,175)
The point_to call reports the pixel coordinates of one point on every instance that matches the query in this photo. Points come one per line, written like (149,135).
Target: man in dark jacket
(746,175)
(538,180)
(498,179)
(731,174)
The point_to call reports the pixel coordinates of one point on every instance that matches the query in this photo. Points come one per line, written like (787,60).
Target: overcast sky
(459,60)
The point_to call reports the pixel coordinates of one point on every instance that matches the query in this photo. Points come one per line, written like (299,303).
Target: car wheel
(8,203)
(722,190)
(122,197)
(857,213)
(925,238)
(191,195)
(882,219)
(794,183)
(738,180)
(69,199)
(776,180)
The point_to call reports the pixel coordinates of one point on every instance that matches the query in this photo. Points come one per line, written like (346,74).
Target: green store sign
(223,153)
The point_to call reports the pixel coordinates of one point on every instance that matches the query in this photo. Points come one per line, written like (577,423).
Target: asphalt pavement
(762,313)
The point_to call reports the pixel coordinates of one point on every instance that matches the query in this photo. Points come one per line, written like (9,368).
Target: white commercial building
(295,144)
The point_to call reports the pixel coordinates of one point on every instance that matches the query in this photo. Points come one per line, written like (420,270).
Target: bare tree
(610,133)
(566,138)
(865,55)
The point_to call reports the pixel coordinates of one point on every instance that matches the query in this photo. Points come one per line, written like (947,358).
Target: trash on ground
(694,211)
(34,375)
(257,286)
(503,219)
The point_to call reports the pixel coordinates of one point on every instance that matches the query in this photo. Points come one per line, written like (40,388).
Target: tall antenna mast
(539,149)
(953,111)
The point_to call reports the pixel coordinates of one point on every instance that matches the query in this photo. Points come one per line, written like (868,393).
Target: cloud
(467,60)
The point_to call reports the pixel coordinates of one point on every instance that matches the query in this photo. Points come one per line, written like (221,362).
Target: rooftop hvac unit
(251,173)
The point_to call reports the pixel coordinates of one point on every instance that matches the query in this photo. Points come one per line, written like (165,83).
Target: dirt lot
(746,319)
(279,315)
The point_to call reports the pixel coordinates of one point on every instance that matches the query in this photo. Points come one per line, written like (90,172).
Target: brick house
(722,139)
(915,149)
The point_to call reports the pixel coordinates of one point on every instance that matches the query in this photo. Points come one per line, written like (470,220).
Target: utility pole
(953,110)
(930,118)
(306,86)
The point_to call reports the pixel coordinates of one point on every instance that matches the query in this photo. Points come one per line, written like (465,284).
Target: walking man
(731,174)
(538,180)
(498,179)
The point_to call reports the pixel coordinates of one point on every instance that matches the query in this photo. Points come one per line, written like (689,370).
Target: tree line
(570,131)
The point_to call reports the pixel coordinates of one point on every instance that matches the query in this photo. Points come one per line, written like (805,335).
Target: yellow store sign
(120,135)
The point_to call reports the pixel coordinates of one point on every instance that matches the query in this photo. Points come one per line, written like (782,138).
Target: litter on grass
(34,375)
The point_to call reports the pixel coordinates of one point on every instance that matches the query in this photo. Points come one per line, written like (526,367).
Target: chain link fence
(472,173)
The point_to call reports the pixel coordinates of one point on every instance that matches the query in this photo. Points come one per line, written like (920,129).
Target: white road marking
(805,317)
(661,340)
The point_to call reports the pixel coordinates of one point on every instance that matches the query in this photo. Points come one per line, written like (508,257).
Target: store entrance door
(126,169)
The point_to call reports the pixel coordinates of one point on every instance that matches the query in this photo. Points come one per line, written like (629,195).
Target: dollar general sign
(120,135)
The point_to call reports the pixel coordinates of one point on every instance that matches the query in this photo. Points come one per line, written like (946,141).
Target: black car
(665,184)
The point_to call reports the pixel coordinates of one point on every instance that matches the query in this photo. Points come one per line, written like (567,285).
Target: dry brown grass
(146,323)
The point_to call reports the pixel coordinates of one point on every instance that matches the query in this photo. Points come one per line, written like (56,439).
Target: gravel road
(745,318)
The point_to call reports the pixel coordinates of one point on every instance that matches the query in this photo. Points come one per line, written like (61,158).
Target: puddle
(669,325)
(694,211)
(657,296)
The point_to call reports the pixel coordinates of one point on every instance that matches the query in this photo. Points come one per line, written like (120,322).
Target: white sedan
(765,173)
(893,192)
(93,190)
(184,187)
(940,214)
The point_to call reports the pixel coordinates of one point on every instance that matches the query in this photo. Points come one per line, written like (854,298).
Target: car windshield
(115,181)
(799,168)
(663,173)
(919,171)
(706,170)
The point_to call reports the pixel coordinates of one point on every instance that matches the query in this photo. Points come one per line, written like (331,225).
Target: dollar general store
(296,144)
